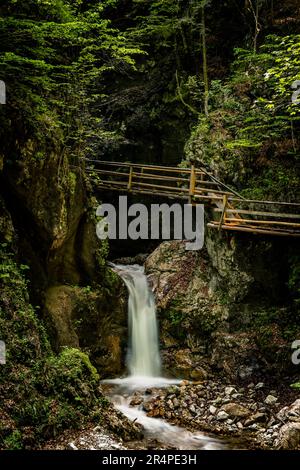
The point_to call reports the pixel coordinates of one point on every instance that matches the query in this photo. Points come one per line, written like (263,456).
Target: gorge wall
(137,94)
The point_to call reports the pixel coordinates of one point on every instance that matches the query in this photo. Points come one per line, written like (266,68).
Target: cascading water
(144,365)
(143,357)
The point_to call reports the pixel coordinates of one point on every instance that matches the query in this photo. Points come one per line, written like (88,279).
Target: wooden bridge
(229,210)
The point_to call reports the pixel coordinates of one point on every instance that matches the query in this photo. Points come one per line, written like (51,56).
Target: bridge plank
(256,230)
(265,214)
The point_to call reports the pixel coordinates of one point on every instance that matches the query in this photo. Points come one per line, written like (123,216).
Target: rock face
(90,319)
(188,311)
(215,309)
(83,303)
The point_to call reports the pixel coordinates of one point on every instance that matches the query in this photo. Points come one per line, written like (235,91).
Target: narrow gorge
(142,342)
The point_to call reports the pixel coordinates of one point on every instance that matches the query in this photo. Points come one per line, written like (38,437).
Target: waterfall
(143,357)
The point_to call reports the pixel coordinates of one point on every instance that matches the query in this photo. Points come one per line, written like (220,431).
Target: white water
(144,365)
(143,357)
(174,436)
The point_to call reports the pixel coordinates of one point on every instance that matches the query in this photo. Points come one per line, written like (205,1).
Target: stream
(144,365)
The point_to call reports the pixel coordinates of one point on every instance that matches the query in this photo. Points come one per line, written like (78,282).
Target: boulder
(290,413)
(79,317)
(256,418)
(289,437)
(235,410)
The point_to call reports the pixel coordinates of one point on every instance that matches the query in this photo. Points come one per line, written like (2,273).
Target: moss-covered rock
(227,306)
(41,392)
(93,319)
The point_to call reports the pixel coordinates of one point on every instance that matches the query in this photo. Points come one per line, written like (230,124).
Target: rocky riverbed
(236,417)
(248,417)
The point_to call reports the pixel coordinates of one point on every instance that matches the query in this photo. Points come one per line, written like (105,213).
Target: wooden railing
(230,211)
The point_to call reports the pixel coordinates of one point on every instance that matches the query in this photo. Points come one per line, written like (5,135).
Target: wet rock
(147,406)
(289,437)
(136,401)
(184,383)
(138,259)
(271,400)
(236,410)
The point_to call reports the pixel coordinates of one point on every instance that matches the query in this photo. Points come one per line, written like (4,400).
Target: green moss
(41,393)
(296,385)
(74,364)
(13,441)
(72,182)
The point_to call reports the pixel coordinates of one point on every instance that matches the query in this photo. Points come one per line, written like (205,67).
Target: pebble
(271,400)
(193,409)
(259,385)
(223,409)
(176,403)
(222,416)
(71,446)
(218,400)
(230,390)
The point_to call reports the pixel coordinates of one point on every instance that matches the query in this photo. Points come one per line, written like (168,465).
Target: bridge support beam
(192,184)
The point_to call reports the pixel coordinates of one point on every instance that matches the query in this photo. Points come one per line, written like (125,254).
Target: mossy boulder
(92,319)
(43,392)
(224,305)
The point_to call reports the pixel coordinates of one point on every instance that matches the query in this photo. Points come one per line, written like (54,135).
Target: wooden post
(130,179)
(192,184)
(225,202)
